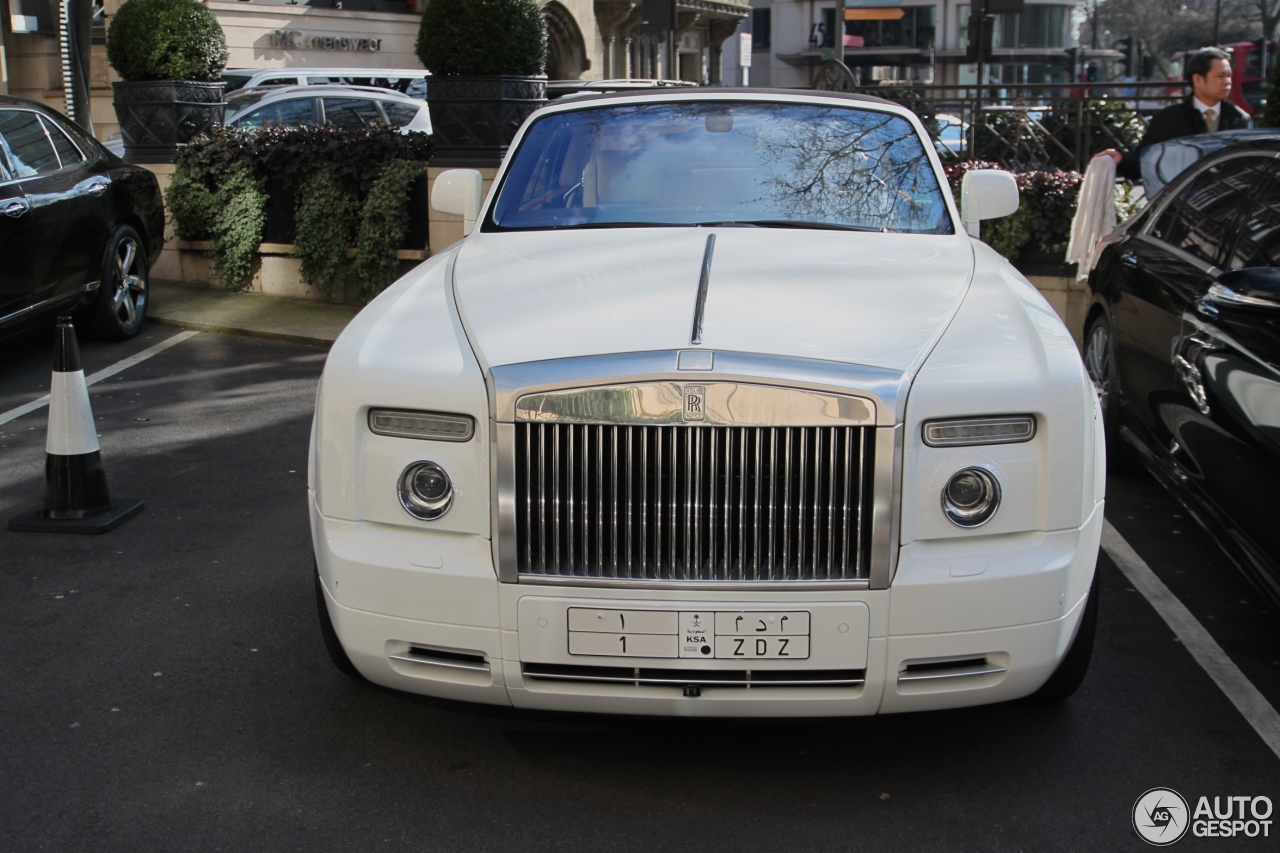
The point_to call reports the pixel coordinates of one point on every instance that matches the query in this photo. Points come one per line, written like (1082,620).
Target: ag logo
(1160,816)
(694,399)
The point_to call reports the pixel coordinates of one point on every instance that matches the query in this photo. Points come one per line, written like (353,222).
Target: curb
(236,330)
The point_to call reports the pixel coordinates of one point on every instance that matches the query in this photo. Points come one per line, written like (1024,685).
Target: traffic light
(1092,73)
(1258,60)
(1073,59)
(1130,64)
(981,28)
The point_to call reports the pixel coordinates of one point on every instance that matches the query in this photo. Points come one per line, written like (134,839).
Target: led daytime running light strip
(970,431)
(428,425)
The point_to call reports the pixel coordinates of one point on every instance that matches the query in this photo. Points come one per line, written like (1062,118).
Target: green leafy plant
(384,223)
(166,40)
(237,229)
(479,37)
(218,193)
(1128,200)
(327,219)
(1042,222)
(1269,115)
(192,204)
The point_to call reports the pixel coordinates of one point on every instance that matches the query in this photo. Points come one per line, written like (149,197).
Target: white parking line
(106,372)
(1230,680)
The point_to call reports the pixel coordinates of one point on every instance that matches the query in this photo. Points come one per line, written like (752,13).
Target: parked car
(573,88)
(79,228)
(717,409)
(1183,343)
(410,81)
(341,106)
(298,106)
(1164,162)
(950,140)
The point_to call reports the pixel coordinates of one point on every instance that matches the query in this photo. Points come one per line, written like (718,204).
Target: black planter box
(280,225)
(1035,262)
(158,117)
(474,119)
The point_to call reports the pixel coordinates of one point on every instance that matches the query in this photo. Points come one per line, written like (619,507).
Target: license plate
(722,635)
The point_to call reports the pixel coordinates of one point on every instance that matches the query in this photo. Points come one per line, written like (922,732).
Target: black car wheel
(1099,362)
(1066,679)
(124,287)
(332,644)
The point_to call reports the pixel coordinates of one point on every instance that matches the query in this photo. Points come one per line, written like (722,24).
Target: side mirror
(986,194)
(1258,287)
(459,192)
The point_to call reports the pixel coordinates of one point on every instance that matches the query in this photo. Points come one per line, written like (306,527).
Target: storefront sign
(296,40)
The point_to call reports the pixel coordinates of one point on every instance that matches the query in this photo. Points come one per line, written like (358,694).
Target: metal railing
(1033,126)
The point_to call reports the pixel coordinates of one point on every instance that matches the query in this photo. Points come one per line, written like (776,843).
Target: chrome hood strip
(706,403)
(704,282)
(884,389)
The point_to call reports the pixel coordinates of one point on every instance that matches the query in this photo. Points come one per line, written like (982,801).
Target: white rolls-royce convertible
(718,409)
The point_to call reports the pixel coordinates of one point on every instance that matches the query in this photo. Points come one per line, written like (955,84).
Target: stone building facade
(589,39)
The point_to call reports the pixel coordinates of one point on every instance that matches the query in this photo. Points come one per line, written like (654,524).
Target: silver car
(411,81)
(299,106)
(340,106)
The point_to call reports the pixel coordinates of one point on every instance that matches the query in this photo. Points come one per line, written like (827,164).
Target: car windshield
(722,163)
(242,101)
(232,81)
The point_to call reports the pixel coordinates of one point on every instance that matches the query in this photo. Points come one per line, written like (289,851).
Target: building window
(404,7)
(761,29)
(914,30)
(1035,26)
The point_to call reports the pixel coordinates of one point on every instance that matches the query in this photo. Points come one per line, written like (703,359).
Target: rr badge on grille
(694,400)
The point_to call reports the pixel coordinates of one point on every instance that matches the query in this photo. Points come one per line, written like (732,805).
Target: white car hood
(873,299)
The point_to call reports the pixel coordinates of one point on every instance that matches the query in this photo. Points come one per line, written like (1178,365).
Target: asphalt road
(164,686)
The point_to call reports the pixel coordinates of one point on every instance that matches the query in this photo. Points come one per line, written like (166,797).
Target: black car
(79,227)
(1182,341)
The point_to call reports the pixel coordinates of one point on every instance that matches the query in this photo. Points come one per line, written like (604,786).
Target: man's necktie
(1211,120)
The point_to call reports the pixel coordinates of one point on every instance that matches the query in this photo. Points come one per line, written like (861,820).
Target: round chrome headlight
(970,497)
(426,491)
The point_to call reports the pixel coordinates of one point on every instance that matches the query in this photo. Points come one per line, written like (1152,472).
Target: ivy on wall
(219,192)
(383,226)
(327,220)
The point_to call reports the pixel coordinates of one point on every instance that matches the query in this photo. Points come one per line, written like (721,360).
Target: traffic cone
(75,486)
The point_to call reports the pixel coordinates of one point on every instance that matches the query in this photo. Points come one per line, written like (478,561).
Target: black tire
(1069,675)
(1100,364)
(124,287)
(331,643)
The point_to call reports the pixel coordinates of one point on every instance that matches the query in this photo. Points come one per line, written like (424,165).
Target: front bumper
(964,623)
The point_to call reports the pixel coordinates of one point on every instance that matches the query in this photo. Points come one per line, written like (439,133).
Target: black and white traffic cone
(75,486)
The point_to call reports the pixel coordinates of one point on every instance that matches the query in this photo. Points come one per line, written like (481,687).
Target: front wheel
(1066,679)
(124,287)
(1100,364)
(332,644)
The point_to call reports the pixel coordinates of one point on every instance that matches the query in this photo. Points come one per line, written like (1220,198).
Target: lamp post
(839,34)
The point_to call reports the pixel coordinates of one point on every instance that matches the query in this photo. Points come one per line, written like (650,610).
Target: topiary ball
(478,37)
(166,40)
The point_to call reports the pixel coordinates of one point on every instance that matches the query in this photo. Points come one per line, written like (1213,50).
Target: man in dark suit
(1207,110)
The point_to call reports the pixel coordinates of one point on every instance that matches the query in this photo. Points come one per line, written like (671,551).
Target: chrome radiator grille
(684,503)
